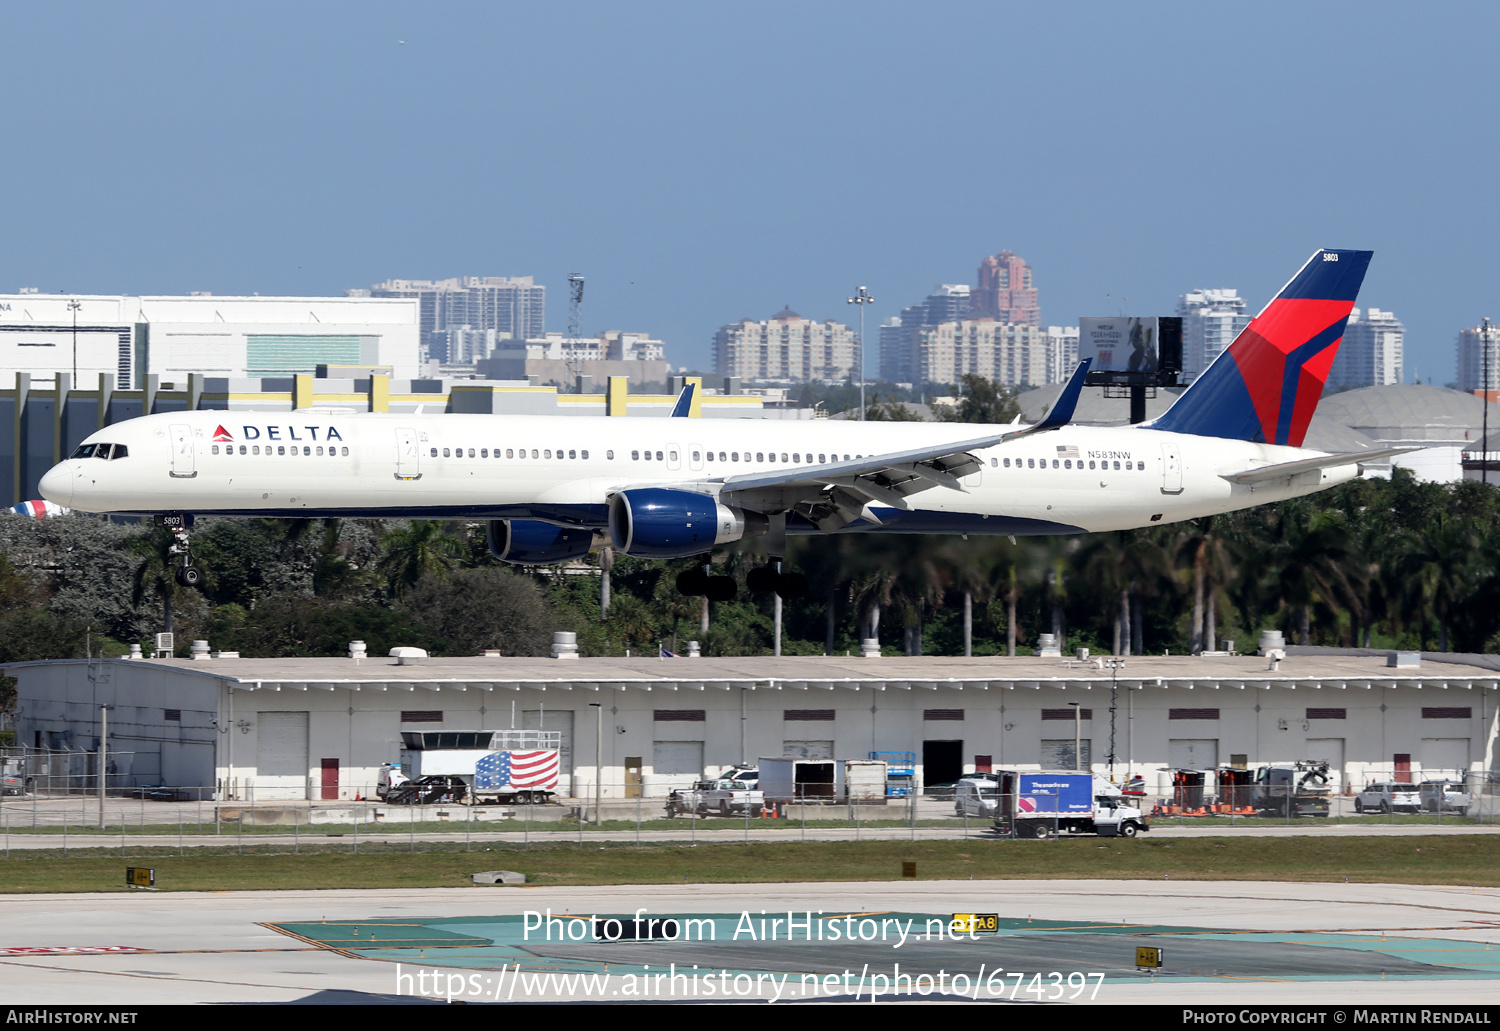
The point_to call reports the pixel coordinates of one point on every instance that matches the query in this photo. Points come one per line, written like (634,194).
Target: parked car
(1387,797)
(1451,795)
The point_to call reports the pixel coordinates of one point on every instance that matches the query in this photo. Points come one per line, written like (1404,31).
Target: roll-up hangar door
(281,764)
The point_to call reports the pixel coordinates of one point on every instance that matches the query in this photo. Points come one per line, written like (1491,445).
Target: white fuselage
(564,469)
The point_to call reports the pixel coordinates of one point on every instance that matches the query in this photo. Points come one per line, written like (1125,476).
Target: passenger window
(281,449)
(1054,463)
(445,453)
(434,452)
(484,452)
(994,463)
(306,450)
(533,453)
(796,458)
(256,449)
(216,449)
(609,456)
(584,455)
(343,452)
(697,456)
(510,453)
(1031,463)
(573,454)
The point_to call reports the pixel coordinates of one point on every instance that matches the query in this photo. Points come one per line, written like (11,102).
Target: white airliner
(552,487)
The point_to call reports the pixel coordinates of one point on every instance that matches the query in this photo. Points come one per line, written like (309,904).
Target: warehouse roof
(1334,670)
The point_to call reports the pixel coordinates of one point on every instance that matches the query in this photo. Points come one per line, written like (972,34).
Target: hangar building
(320,728)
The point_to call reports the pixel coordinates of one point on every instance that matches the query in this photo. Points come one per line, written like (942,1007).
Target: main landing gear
(188,575)
(766,579)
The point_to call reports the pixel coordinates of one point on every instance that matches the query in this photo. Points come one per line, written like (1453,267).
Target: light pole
(1484,434)
(73,306)
(862,297)
(1077,735)
(598,708)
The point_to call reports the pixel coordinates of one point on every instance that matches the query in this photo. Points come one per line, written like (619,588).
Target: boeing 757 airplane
(552,487)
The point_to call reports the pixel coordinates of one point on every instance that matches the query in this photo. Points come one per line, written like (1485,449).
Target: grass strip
(1416,860)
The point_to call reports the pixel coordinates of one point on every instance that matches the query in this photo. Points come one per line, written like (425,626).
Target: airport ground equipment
(12,775)
(900,773)
(1292,789)
(1043,805)
(494,766)
(823,781)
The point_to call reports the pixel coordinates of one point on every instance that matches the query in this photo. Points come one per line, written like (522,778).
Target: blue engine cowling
(656,522)
(527,542)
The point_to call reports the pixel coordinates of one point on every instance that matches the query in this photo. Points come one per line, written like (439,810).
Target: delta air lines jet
(553,487)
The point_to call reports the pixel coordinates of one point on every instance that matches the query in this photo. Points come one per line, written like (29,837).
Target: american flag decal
(521,770)
(1067,451)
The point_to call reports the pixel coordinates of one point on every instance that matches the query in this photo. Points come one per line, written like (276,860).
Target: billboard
(1147,345)
(1123,344)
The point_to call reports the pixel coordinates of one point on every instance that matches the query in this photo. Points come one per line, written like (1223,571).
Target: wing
(835,494)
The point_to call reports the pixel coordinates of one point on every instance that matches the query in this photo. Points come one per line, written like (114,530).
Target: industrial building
(321,728)
(128,338)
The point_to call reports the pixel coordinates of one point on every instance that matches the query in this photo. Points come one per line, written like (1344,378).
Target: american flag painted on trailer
(536,770)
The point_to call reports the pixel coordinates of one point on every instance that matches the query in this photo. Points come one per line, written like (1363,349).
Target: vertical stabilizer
(1266,385)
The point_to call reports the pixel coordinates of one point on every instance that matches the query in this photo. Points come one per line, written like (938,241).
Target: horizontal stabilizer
(1282,470)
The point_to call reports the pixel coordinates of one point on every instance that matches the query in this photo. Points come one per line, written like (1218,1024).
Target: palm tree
(156,575)
(423,547)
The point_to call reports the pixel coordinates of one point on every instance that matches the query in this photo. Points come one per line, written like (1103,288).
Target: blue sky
(704,162)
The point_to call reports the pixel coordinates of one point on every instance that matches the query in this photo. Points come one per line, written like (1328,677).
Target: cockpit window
(84,451)
(121,451)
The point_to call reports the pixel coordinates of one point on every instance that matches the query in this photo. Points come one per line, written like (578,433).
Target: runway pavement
(1223,943)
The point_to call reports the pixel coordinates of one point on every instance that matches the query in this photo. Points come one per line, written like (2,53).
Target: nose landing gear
(187,575)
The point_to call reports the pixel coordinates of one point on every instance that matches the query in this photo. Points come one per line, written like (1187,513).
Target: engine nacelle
(527,542)
(655,522)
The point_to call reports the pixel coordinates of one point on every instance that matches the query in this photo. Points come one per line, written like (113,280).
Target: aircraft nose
(57,485)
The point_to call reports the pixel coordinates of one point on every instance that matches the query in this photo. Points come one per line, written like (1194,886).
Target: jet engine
(656,522)
(527,542)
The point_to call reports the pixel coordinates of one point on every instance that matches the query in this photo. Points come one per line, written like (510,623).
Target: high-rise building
(1005,293)
(1011,354)
(1473,356)
(1211,319)
(511,305)
(948,302)
(1062,352)
(786,347)
(1370,355)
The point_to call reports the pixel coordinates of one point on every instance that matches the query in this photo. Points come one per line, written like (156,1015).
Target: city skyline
(303,166)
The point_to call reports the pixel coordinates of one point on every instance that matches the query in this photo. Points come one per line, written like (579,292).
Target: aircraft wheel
(762,579)
(693,583)
(189,576)
(791,586)
(722,588)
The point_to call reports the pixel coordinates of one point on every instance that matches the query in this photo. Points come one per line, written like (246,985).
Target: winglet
(1062,409)
(684,406)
